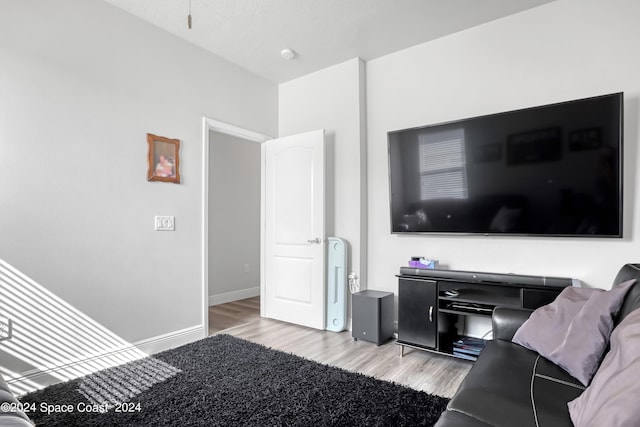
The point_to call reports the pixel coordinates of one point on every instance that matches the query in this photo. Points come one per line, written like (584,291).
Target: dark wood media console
(430,302)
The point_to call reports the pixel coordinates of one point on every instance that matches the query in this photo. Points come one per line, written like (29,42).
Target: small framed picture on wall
(164,159)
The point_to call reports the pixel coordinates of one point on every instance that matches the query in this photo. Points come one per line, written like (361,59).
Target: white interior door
(294,261)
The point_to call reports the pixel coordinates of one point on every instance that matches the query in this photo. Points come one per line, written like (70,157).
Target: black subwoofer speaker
(372,316)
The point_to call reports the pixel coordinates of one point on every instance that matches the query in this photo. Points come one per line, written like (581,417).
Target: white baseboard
(35,379)
(234,296)
(171,340)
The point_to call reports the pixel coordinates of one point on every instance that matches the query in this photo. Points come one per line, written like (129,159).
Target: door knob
(316,240)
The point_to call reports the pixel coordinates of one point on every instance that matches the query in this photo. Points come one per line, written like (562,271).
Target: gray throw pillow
(573,331)
(612,397)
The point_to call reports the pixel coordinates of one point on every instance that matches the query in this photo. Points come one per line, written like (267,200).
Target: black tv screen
(552,170)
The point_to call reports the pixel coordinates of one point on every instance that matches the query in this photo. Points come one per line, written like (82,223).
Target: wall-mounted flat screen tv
(551,170)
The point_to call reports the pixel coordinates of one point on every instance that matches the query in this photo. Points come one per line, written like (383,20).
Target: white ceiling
(251,33)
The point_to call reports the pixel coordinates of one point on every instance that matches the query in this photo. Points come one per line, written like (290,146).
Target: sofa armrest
(507,320)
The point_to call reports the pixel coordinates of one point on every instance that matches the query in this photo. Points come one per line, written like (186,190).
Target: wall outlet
(165,223)
(6,328)
(245,268)
(354,286)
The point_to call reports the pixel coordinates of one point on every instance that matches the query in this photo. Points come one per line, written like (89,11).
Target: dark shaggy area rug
(226,381)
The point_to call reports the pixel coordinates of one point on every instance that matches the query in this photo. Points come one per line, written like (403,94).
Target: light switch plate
(165,223)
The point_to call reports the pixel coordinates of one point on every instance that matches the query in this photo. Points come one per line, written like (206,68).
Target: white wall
(333,99)
(234,218)
(81,83)
(563,50)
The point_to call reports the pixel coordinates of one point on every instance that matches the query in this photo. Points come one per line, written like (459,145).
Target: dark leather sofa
(507,388)
(495,213)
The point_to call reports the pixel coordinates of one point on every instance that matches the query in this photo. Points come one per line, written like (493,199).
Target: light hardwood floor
(420,370)
(225,316)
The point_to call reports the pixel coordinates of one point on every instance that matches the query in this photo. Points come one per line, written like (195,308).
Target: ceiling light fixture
(287,54)
(189,16)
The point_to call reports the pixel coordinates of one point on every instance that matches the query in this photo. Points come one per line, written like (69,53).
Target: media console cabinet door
(417,312)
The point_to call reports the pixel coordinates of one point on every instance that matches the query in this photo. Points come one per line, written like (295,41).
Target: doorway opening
(231,222)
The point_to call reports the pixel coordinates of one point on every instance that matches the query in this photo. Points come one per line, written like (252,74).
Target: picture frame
(163,159)
(541,145)
(585,139)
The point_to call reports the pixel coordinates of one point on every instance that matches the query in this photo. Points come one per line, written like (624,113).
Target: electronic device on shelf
(468,306)
(550,170)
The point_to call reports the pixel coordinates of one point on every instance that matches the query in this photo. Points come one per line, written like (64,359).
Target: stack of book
(468,347)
